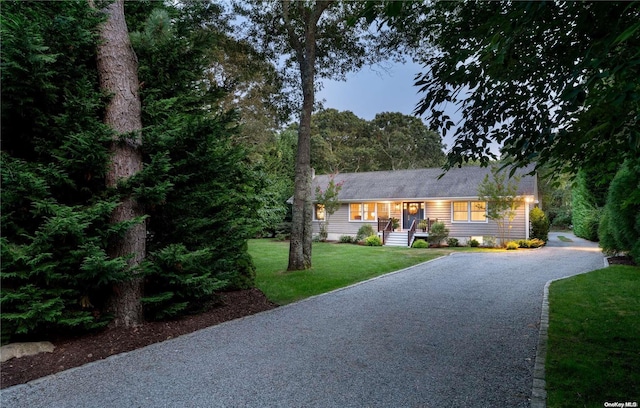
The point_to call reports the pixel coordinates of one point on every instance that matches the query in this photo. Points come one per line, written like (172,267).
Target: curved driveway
(460,331)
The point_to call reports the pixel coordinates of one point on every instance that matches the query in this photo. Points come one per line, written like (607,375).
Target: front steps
(397,239)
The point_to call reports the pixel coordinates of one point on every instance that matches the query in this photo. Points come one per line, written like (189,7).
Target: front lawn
(594,339)
(334,266)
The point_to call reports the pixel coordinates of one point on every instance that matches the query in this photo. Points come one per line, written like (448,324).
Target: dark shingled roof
(418,184)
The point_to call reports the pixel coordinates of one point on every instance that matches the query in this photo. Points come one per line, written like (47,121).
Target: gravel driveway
(460,331)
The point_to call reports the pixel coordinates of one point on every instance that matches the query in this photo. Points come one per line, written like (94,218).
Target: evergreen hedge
(199,191)
(55,273)
(586,205)
(619,230)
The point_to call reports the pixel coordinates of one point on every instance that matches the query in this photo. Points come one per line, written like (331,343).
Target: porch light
(397,206)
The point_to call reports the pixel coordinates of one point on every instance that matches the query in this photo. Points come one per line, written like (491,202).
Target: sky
(375,90)
(372,90)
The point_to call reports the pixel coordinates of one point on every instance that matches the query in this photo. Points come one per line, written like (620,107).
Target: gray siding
(339,223)
(464,230)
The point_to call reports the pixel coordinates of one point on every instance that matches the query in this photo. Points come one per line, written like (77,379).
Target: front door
(411,212)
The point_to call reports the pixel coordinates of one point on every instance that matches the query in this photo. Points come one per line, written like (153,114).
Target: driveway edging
(539,392)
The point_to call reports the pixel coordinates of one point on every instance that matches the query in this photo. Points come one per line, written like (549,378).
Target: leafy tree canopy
(344,44)
(553,82)
(404,142)
(343,142)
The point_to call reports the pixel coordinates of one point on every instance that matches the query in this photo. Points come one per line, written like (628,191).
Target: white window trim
(361,212)
(469,220)
(361,204)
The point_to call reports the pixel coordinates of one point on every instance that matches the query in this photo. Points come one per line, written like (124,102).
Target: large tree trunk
(118,72)
(302,212)
(305,50)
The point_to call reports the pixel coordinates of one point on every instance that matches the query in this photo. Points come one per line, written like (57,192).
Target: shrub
(453,242)
(474,243)
(423,225)
(536,243)
(489,241)
(346,239)
(539,224)
(523,243)
(420,243)
(439,232)
(182,281)
(373,240)
(511,245)
(283,231)
(365,231)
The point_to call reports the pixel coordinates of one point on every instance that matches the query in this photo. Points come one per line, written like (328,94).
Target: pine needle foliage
(55,207)
(202,195)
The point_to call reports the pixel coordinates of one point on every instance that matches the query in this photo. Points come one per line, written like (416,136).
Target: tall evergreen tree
(55,152)
(199,193)
(118,73)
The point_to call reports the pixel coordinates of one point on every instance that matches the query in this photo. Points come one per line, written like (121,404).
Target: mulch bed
(621,260)
(74,352)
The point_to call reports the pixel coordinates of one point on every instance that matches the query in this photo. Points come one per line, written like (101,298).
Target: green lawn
(334,266)
(594,339)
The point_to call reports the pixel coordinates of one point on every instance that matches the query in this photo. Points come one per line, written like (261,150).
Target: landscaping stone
(17,350)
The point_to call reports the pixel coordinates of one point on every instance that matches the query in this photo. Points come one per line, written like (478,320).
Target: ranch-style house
(414,195)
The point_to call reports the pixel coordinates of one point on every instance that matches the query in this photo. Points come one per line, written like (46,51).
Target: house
(413,195)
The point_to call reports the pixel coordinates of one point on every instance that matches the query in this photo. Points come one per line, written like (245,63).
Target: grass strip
(593,353)
(334,266)
(564,239)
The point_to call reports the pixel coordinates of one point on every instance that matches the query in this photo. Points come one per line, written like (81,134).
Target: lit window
(320,213)
(369,211)
(355,210)
(478,211)
(384,211)
(363,211)
(469,211)
(460,211)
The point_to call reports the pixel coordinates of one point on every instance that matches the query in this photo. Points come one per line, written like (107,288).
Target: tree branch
(293,39)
